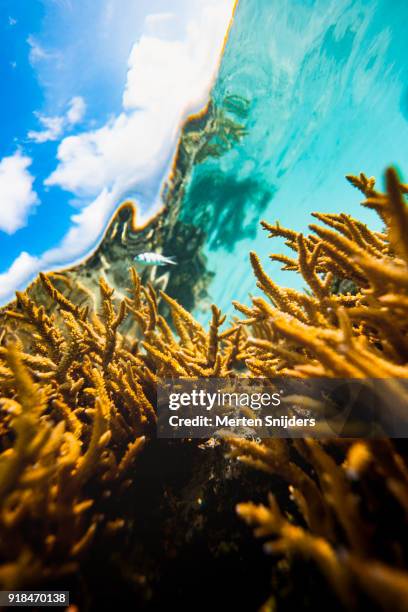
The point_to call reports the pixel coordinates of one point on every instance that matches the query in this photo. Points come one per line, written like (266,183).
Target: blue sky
(93,97)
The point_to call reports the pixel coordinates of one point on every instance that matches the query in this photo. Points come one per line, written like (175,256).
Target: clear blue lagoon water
(321,88)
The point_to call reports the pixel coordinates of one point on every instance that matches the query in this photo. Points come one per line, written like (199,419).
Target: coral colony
(78,374)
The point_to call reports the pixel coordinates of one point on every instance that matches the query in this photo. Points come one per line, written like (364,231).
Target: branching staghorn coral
(360,333)
(77,405)
(78,378)
(345,492)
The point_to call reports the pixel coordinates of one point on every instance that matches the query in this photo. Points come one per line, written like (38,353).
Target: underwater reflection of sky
(93,98)
(326,86)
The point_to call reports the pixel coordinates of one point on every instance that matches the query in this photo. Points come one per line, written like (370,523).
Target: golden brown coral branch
(277,294)
(60,298)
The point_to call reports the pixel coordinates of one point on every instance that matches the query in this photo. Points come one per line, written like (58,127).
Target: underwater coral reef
(346,505)
(78,379)
(77,403)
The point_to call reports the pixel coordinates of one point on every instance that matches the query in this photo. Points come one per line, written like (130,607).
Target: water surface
(321,90)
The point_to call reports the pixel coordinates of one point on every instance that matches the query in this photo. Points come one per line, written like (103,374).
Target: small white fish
(154,259)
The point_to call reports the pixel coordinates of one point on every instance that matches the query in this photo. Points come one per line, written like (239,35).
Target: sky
(93,98)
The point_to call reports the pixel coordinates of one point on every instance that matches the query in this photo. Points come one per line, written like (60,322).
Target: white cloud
(167,80)
(37,52)
(87,226)
(176,75)
(156,17)
(76,110)
(16,194)
(169,77)
(22,269)
(54,126)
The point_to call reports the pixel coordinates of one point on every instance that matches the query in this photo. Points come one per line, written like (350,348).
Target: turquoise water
(321,90)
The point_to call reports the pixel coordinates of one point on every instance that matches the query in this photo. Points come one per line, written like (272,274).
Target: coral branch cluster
(351,323)
(78,402)
(78,379)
